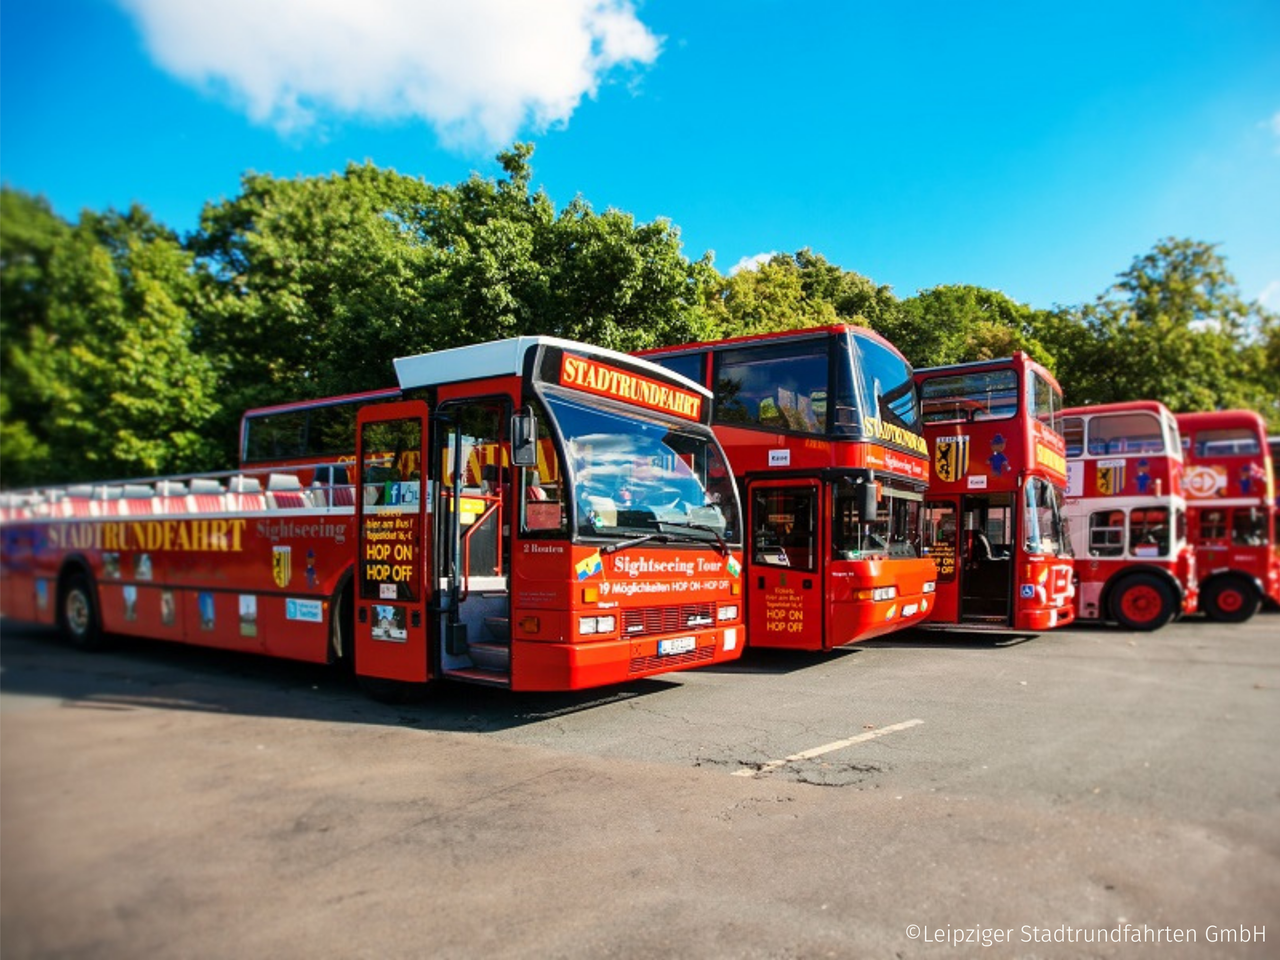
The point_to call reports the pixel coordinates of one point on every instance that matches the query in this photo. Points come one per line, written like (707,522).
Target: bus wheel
(1142,602)
(78,613)
(1230,600)
(342,630)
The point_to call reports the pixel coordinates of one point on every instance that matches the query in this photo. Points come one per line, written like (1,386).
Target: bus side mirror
(866,502)
(524,439)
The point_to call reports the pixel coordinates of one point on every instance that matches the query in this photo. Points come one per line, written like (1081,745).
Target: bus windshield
(885,384)
(893,532)
(632,475)
(1046,524)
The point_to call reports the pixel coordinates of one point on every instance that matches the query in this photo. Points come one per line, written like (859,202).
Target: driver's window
(541,490)
(475,464)
(783,528)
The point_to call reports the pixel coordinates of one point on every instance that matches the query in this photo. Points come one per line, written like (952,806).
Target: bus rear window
(278,436)
(989,395)
(1232,442)
(782,385)
(1128,433)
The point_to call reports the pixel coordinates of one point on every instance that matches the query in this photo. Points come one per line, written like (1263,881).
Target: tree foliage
(1173,327)
(126,351)
(100,374)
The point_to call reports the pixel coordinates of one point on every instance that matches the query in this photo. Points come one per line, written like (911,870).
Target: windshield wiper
(634,541)
(720,542)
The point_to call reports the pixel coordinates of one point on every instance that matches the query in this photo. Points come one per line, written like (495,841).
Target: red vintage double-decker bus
(1134,564)
(306,433)
(993,519)
(1232,501)
(532,513)
(822,430)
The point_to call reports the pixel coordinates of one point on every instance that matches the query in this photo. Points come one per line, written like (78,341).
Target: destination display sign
(591,376)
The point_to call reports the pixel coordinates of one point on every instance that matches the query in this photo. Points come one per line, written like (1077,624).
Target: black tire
(342,630)
(1230,600)
(1142,601)
(78,617)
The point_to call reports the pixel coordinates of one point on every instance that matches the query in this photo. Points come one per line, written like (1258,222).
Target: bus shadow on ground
(951,639)
(762,660)
(145,674)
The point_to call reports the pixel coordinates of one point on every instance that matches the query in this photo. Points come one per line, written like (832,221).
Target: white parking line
(827,748)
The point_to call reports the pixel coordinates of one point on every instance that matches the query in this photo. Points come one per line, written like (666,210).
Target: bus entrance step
(490,656)
(488,677)
(499,628)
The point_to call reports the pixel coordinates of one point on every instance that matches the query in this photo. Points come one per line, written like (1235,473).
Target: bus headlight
(593,625)
(727,612)
(930,587)
(876,594)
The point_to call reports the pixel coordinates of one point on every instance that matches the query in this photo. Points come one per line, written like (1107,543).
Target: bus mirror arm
(524,438)
(866,501)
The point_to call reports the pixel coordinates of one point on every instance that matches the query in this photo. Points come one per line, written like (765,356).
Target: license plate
(676,645)
(910,610)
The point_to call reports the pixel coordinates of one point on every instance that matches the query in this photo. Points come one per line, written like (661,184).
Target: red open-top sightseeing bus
(532,513)
(993,516)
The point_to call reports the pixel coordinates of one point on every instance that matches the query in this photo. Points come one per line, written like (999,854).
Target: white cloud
(1274,125)
(752,263)
(1270,295)
(477,70)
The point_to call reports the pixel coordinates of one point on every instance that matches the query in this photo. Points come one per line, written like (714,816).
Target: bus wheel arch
(1230,598)
(1142,601)
(342,629)
(79,614)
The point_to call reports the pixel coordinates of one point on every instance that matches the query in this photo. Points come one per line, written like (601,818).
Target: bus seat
(207,495)
(246,494)
(284,492)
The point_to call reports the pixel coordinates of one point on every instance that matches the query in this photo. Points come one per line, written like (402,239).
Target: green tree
(106,380)
(1172,328)
(960,323)
(314,285)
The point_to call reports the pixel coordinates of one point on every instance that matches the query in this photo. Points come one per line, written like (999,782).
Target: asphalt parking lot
(1086,793)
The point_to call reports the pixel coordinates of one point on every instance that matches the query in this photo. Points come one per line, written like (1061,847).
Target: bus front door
(393,565)
(784,574)
(986,558)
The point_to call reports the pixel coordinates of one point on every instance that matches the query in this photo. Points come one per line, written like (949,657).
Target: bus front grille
(647,621)
(645,664)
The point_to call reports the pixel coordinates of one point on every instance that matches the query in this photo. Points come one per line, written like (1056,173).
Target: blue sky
(1032,148)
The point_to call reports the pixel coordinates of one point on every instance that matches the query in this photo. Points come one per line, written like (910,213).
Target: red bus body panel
(1230,483)
(1129,478)
(980,466)
(830,602)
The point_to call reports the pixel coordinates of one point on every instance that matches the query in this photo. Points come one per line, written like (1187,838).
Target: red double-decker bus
(306,433)
(532,513)
(821,427)
(993,519)
(1232,501)
(1134,564)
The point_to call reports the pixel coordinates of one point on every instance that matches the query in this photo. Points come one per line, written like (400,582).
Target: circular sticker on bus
(1203,481)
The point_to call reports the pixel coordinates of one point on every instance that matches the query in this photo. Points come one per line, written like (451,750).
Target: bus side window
(1106,533)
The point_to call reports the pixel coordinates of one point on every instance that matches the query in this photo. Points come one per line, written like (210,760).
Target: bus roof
(506,358)
(1222,418)
(1124,406)
(1018,356)
(776,335)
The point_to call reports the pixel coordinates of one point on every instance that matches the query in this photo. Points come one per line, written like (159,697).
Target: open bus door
(971,540)
(393,567)
(986,558)
(785,565)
